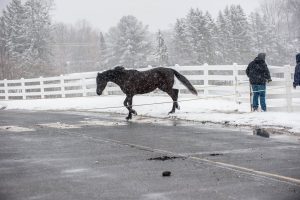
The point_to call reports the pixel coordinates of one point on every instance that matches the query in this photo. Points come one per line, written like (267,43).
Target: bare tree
(75,47)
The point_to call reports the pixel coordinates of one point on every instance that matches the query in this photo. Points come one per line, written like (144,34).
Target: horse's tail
(185,82)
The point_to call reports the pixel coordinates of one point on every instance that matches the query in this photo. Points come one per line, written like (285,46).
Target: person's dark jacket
(297,71)
(258,72)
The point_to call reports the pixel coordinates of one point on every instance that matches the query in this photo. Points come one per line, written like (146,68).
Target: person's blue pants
(259,91)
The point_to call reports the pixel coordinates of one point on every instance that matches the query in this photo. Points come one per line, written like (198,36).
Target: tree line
(25,39)
(32,45)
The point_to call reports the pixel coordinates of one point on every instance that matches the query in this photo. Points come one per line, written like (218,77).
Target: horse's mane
(122,70)
(119,68)
(112,73)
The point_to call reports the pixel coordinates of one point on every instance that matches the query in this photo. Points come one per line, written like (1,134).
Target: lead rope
(185,100)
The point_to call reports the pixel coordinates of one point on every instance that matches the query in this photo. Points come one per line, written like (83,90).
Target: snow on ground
(204,110)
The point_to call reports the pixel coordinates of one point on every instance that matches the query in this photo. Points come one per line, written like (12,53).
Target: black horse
(134,82)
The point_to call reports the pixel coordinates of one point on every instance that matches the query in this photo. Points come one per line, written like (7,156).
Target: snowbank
(208,110)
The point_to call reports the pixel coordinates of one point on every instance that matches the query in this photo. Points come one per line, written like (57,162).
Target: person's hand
(269,80)
(294,85)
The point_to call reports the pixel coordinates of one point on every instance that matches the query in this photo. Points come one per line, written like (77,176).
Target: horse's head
(106,76)
(101,81)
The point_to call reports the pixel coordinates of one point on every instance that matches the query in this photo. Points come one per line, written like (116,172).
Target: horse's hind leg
(176,91)
(173,93)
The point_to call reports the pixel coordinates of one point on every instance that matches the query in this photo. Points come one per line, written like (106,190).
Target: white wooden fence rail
(229,81)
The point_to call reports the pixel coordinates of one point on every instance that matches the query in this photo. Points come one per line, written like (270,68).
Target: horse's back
(162,69)
(142,82)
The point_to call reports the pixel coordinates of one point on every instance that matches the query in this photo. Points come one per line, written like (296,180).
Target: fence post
(5,89)
(62,86)
(83,83)
(42,87)
(205,80)
(235,76)
(288,89)
(23,88)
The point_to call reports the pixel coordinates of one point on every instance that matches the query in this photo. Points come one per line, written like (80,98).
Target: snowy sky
(158,14)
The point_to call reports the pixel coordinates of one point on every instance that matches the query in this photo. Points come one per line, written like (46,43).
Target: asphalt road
(84,155)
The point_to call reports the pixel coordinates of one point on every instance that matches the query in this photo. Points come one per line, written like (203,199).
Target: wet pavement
(86,155)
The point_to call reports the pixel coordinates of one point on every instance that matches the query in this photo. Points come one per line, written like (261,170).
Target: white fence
(227,81)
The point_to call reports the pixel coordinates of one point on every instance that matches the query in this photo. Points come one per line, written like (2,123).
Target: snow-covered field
(204,110)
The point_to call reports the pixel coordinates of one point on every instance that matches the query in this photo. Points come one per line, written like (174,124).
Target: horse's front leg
(125,103)
(128,105)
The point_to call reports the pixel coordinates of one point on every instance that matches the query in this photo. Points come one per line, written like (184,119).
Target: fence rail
(227,80)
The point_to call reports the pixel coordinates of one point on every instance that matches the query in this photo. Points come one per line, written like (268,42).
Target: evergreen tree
(210,40)
(15,37)
(4,72)
(240,33)
(294,7)
(25,35)
(102,52)
(229,43)
(262,38)
(283,22)
(198,35)
(182,48)
(223,40)
(161,51)
(36,56)
(258,32)
(128,43)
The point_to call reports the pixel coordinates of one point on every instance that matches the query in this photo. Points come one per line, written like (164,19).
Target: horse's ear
(119,68)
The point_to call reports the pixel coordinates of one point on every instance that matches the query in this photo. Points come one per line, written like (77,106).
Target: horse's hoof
(171,112)
(134,112)
(128,118)
(178,107)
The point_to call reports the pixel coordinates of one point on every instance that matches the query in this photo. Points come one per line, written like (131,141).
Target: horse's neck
(117,80)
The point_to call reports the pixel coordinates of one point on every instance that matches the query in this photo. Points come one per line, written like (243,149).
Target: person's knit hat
(262,56)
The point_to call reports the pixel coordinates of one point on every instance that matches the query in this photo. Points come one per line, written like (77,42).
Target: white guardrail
(229,81)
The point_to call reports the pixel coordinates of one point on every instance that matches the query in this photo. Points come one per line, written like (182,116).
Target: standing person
(297,72)
(259,74)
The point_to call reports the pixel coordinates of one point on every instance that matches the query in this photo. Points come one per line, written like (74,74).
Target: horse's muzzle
(98,92)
